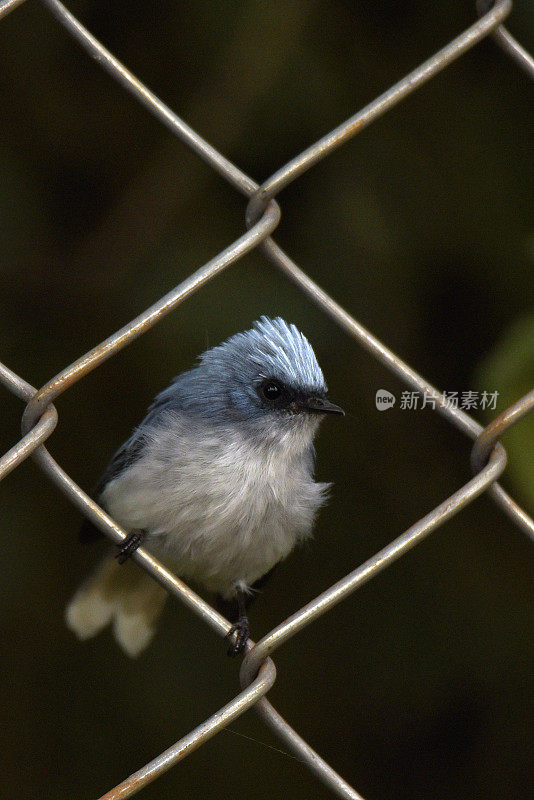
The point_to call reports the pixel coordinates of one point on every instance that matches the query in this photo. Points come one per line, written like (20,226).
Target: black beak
(320,405)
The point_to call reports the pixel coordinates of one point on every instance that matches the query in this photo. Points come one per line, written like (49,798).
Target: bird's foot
(240,633)
(129,546)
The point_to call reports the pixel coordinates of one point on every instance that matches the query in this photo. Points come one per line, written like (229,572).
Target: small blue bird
(217,481)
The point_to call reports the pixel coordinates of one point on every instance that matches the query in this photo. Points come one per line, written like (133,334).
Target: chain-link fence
(40,418)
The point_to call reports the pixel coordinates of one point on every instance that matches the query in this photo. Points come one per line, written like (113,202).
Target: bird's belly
(233,547)
(219,528)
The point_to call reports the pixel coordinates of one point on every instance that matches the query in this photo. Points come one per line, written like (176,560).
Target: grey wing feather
(125,456)
(132,449)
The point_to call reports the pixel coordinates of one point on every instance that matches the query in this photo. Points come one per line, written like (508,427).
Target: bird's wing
(170,399)
(125,456)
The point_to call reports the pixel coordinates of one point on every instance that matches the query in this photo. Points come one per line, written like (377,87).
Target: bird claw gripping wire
(128,546)
(240,633)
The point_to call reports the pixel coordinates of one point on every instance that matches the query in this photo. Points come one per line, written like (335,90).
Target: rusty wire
(40,418)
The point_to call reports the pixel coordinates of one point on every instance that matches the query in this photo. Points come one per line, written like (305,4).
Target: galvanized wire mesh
(262,216)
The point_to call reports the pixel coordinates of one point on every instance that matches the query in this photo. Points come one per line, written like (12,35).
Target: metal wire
(505,39)
(8,5)
(243,701)
(488,457)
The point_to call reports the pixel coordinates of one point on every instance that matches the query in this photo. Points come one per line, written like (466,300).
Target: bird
(217,481)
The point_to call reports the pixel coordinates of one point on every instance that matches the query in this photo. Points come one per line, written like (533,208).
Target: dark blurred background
(416,686)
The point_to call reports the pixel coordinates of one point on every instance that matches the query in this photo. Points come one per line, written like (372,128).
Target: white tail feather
(123,595)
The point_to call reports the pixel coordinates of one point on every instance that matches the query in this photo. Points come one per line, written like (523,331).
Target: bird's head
(267,377)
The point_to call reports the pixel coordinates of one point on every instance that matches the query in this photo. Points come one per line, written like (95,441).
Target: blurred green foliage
(510,366)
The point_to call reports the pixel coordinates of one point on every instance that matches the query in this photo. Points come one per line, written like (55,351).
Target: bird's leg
(235,610)
(240,631)
(129,545)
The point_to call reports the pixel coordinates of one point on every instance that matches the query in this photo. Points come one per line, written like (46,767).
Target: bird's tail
(124,596)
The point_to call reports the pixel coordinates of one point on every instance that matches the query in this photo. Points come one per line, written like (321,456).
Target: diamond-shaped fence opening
(262,216)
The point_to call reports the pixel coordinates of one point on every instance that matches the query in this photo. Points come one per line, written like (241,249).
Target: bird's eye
(271,391)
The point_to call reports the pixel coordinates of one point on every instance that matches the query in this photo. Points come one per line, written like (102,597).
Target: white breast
(218,509)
